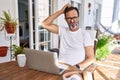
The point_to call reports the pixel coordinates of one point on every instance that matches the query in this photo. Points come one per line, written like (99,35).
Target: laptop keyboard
(62,66)
(60,69)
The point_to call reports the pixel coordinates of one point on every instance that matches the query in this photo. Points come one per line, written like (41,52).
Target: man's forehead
(72,13)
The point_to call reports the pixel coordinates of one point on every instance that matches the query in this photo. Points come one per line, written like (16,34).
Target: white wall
(88,18)
(107,12)
(12,6)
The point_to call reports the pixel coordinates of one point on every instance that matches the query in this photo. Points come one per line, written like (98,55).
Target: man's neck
(73,30)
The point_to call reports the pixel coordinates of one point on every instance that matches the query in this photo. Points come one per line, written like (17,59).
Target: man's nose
(72,20)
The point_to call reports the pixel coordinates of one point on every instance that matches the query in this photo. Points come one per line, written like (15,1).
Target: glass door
(39,37)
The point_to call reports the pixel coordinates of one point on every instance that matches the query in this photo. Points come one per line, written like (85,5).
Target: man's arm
(89,57)
(48,22)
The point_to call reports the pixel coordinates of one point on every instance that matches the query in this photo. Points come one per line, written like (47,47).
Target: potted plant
(3,51)
(19,55)
(9,22)
(102,49)
(17,50)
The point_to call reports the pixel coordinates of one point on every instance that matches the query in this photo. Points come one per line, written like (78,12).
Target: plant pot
(3,51)
(21,59)
(10,28)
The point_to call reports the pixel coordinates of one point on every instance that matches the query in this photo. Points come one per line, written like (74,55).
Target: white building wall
(107,12)
(12,6)
(86,18)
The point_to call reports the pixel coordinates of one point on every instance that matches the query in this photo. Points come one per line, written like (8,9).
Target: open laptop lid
(42,61)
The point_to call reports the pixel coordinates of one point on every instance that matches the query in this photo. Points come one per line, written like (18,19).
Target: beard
(73,26)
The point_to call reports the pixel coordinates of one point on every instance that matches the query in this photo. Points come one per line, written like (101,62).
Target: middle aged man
(76,47)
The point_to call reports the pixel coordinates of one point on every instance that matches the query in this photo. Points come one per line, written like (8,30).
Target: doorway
(31,33)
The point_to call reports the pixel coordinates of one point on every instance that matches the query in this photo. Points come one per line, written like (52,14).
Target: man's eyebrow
(71,17)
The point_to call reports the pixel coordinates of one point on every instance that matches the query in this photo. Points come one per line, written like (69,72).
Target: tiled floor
(108,69)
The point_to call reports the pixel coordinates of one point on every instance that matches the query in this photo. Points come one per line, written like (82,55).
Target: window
(44,35)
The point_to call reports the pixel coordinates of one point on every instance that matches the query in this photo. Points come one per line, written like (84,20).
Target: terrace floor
(109,69)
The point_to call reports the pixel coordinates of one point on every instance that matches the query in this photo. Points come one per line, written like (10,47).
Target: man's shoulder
(83,30)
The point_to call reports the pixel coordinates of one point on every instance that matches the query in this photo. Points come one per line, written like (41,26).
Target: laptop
(44,61)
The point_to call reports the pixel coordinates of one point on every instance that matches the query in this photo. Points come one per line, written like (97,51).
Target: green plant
(18,50)
(7,19)
(102,47)
(9,22)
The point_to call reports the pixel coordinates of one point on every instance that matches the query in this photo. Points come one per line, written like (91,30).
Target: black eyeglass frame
(71,18)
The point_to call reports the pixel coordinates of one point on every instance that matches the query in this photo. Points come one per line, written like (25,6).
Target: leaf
(102,47)
(18,49)
(8,19)
(7,15)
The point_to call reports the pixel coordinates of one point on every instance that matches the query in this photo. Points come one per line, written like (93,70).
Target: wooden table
(11,71)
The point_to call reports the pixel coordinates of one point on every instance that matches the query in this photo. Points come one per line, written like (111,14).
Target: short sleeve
(87,39)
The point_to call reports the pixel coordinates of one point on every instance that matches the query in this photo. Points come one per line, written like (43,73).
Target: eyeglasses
(72,18)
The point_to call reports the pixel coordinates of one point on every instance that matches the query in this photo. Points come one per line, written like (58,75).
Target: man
(76,48)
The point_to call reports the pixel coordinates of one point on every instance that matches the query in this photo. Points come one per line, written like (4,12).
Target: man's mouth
(73,26)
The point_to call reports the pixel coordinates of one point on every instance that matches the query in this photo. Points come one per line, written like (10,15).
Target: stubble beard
(74,26)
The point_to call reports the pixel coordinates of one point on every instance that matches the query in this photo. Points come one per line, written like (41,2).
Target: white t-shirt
(72,45)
